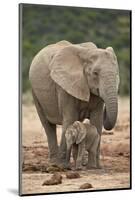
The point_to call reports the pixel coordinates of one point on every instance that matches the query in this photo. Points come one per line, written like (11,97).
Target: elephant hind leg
(50,130)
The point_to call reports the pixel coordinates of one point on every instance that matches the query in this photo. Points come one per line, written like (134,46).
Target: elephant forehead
(103,53)
(104,59)
(106,56)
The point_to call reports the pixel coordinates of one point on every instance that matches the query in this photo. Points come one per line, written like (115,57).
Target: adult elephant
(71,82)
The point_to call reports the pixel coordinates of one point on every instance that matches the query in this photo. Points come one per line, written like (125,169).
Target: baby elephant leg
(92,153)
(75,152)
(85,158)
(81,150)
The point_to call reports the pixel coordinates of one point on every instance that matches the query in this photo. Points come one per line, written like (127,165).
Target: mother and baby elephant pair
(72,82)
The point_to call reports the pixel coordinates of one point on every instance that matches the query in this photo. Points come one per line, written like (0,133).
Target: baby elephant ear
(67,72)
(81,133)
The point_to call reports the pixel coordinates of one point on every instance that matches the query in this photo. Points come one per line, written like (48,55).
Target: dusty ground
(115,156)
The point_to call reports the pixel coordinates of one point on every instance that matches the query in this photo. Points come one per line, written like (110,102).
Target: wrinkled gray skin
(72,82)
(80,137)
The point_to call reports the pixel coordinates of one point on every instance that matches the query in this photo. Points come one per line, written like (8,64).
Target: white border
(9,98)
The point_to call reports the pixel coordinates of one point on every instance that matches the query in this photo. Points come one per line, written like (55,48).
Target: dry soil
(115,156)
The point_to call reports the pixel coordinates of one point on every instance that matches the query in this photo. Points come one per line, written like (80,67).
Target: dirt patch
(115,157)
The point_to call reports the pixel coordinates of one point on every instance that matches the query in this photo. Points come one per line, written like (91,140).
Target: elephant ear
(67,71)
(110,49)
(81,131)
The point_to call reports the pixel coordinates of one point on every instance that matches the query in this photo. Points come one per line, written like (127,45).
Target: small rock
(54,180)
(72,175)
(86,186)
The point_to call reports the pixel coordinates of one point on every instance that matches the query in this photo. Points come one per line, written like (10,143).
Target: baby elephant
(81,136)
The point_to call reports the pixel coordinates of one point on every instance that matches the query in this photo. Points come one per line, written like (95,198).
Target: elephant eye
(95,73)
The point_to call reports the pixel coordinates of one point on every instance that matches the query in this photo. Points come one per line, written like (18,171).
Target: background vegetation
(43,25)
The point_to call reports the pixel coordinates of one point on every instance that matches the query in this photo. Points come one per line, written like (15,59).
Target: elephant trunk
(110,113)
(111,104)
(68,153)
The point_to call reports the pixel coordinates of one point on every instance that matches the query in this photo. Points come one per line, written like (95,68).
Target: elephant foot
(84,162)
(53,161)
(55,165)
(85,159)
(59,165)
(68,167)
(91,167)
(63,162)
(64,165)
(99,167)
(78,168)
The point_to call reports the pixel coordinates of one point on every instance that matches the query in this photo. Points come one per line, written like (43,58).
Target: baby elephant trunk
(68,154)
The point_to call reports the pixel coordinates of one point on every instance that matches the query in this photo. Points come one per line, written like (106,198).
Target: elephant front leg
(96,118)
